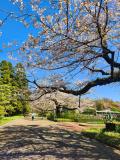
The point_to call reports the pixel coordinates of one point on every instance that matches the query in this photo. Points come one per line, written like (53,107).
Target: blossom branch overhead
(80,36)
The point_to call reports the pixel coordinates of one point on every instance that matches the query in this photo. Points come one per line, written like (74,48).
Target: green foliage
(68,114)
(2,111)
(72,116)
(117,128)
(99,105)
(109,138)
(107,103)
(50,116)
(4,120)
(90,111)
(43,114)
(20,76)
(117,118)
(13,86)
(114,126)
(115,108)
(76,117)
(63,120)
(110,126)
(89,119)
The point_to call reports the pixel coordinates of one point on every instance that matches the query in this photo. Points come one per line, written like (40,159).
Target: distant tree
(56,102)
(99,105)
(106,103)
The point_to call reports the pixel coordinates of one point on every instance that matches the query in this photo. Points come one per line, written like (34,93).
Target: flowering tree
(75,36)
(56,102)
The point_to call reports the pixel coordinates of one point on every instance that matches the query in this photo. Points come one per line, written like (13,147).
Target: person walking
(33,116)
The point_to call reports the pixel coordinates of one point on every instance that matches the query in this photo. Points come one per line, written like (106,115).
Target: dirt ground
(45,140)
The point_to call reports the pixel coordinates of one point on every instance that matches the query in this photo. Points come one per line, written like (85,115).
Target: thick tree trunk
(57,111)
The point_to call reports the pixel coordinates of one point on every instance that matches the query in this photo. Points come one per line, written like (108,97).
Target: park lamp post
(79,101)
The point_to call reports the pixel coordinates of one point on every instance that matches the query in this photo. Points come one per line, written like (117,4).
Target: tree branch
(98,71)
(110,61)
(86,88)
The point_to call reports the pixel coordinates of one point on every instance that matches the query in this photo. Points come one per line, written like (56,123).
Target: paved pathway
(45,140)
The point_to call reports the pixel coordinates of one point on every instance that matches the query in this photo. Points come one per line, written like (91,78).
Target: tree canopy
(72,36)
(13,89)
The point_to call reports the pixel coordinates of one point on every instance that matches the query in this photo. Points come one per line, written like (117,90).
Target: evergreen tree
(6,72)
(6,78)
(13,89)
(21,76)
(22,85)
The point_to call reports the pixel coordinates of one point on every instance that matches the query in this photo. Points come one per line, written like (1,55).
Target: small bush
(75,117)
(118,128)
(117,118)
(112,127)
(42,114)
(50,116)
(90,111)
(82,118)
(68,115)
(99,105)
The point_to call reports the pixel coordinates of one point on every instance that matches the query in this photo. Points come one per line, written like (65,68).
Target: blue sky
(16,31)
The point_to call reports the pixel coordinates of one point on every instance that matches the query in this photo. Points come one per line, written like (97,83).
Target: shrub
(50,116)
(117,129)
(99,105)
(42,114)
(75,117)
(117,118)
(88,119)
(112,127)
(68,115)
(90,111)
(83,118)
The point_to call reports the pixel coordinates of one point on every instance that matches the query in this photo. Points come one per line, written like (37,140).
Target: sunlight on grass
(109,138)
(5,120)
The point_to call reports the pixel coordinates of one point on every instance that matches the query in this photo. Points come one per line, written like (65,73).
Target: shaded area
(33,142)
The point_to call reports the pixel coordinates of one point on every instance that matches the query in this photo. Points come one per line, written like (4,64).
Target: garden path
(45,140)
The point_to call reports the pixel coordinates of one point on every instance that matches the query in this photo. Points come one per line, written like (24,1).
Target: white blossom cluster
(69,34)
(19,3)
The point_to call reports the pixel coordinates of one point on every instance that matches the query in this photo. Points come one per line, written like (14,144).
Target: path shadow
(34,142)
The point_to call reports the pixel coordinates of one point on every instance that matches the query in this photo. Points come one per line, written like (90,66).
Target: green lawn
(81,120)
(5,120)
(109,138)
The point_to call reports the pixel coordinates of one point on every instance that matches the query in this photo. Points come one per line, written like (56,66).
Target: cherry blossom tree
(78,37)
(56,102)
